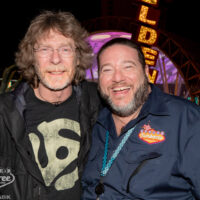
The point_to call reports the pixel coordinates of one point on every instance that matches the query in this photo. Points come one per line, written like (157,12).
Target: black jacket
(20,178)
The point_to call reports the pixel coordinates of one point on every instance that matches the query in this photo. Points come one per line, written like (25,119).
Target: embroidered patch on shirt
(150,135)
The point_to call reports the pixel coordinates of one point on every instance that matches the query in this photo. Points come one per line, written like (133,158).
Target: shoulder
(89,86)
(4,97)
(88,95)
(173,103)
(181,108)
(87,90)
(14,99)
(7,104)
(181,103)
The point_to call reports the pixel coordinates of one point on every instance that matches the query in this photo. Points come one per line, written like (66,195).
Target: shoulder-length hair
(66,24)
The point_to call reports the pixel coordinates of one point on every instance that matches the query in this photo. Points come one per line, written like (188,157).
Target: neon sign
(147,34)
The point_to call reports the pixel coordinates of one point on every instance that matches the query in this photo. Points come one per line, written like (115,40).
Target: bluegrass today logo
(6,177)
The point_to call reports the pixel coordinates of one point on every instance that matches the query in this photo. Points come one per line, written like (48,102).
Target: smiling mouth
(120,89)
(56,72)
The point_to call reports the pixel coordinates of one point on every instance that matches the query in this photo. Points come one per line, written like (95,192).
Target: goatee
(137,101)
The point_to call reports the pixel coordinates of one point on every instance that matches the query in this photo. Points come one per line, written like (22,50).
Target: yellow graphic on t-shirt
(53,141)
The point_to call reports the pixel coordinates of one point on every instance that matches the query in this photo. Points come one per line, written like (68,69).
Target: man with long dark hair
(145,143)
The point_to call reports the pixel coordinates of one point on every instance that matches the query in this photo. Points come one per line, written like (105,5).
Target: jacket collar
(15,123)
(19,98)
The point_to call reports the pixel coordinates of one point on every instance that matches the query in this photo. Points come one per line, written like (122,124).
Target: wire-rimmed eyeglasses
(64,51)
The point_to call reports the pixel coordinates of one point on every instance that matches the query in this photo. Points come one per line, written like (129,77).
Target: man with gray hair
(45,124)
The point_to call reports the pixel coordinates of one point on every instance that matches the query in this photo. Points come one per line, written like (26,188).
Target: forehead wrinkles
(54,35)
(112,59)
(120,50)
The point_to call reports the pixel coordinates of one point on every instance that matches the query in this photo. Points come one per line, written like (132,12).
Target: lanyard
(107,166)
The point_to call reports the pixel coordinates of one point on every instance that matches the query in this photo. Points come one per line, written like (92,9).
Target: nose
(55,57)
(118,75)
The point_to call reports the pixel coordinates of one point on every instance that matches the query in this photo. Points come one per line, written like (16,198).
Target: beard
(53,88)
(52,85)
(138,99)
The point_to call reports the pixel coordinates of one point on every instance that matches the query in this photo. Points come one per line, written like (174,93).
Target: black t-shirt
(54,132)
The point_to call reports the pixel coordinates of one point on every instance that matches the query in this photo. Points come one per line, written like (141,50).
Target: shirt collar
(156,102)
(105,119)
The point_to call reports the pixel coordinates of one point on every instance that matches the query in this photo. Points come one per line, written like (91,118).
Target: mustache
(120,84)
(117,83)
(56,68)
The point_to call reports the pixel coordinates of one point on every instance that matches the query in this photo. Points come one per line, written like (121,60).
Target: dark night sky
(15,19)
(183,18)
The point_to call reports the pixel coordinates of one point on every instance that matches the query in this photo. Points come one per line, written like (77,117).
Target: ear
(146,70)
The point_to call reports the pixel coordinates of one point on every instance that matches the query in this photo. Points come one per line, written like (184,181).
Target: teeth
(120,89)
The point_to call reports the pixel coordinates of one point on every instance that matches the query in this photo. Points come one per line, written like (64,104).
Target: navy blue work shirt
(159,161)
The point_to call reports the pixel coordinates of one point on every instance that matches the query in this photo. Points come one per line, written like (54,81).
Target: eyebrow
(129,61)
(124,62)
(104,65)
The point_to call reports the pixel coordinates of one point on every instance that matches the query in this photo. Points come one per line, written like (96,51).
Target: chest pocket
(140,170)
(148,173)
(141,163)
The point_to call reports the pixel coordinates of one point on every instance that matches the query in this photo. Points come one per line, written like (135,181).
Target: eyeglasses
(46,52)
